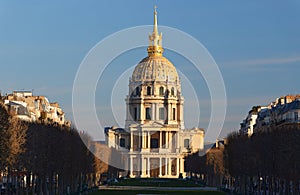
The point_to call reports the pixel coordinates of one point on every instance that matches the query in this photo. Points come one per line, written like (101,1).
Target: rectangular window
(122,142)
(172,91)
(148,90)
(161,114)
(148,113)
(174,114)
(135,114)
(161,91)
(296,116)
(154,143)
(187,143)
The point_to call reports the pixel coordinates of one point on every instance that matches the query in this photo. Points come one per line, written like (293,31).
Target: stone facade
(154,141)
(25,106)
(283,112)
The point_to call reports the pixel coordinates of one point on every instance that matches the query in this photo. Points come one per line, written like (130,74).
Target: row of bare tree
(208,168)
(45,159)
(266,162)
(12,140)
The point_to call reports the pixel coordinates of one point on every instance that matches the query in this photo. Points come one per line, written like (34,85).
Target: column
(169,166)
(143,139)
(177,167)
(148,167)
(166,166)
(142,112)
(160,139)
(181,115)
(147,141)
(131,166)
(149,137)
(117,142)
(170,141)
(182,167)
(167,139)
(176,140)
(144,168)
(153,112)
(127,110)
(160,167)
(131,141)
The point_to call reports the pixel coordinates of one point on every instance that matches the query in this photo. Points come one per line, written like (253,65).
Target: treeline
(45,159)
(265,162)
(207,168)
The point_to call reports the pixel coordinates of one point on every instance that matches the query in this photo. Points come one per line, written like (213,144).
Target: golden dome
(155,68)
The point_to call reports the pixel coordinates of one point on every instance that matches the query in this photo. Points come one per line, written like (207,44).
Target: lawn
(158,183)
(136,192)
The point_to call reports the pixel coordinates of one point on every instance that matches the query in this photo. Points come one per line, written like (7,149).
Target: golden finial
(155,40)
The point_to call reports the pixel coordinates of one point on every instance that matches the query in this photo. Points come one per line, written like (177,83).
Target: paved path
(156,188)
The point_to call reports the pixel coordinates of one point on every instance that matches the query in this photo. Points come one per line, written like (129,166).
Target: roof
(291,106)
(115,129)
(156,68)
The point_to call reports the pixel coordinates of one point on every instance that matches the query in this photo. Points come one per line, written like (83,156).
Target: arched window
(148,90)
(161,91)
(172,91)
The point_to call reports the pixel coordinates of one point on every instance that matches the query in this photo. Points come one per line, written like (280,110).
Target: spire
(155,31)
(155,39)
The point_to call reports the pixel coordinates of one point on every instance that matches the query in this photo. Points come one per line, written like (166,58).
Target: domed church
(154,142)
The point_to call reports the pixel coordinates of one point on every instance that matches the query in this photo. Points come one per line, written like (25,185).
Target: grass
(136,192)
(157,183)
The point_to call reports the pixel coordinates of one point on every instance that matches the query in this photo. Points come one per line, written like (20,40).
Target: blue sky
(255,43)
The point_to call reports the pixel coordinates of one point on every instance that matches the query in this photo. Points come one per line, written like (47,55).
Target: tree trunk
(60,184)
(287,187)
(281,186)
(243,184)
(296,186)
(51,183)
